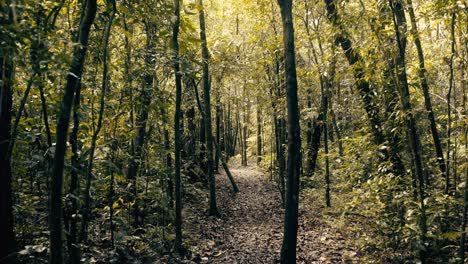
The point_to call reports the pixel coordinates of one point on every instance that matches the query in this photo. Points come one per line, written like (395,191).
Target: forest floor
(250,229)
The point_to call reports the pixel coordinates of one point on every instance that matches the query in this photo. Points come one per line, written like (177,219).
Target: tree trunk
(218,124)
(7,241)
(465,205)
(449,96)
(399,22)
(355,60)
(318,127)
(207,113)
(177,137)
(73,79)
(288,249)
(325,143)
(226,169)
(105,80)
(465,200)
(259,132)
(244,127)
(146,92)
(74,181)
(425,87)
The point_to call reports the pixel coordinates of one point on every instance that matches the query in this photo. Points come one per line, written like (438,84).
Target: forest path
(251,227)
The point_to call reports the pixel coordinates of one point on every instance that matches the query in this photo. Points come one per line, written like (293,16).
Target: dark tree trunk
(114,143)
(279,140)
(177,137)
(73,80)
(202,135)
(259,132)
(218,124)
(226,169)
(20,111)
(74,181)
(449,96)
(280,128)
(207,112)
(243,134)
(399,21)
(465,207)
(462,250)
(355,60)
(288,249)
(222,157)
(145,95)
(309,132)
(318,128)
(325,143)
(7,241)
(87,194)
(168,158)
(425,88)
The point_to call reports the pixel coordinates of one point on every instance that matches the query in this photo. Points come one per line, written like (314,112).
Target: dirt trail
(250,229)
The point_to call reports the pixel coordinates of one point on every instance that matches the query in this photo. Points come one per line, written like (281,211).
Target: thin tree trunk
(105,81)
(465,201)
(325,143)
(337,130)
(226,169)
(45,115)
(259,132)
(449,96)
(207,113)
(218,123)
(113,158)
(425,87)
(244,127)
(288,249)
(280,161)
(355,60)
(223,158)
(142,116)
(19,113)
(168,159)
(177,137)
(465,208)
(73,80)
(399,22)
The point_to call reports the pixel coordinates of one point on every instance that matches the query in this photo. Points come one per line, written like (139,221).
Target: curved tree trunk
(105,80)
(73,79)
(354,59)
